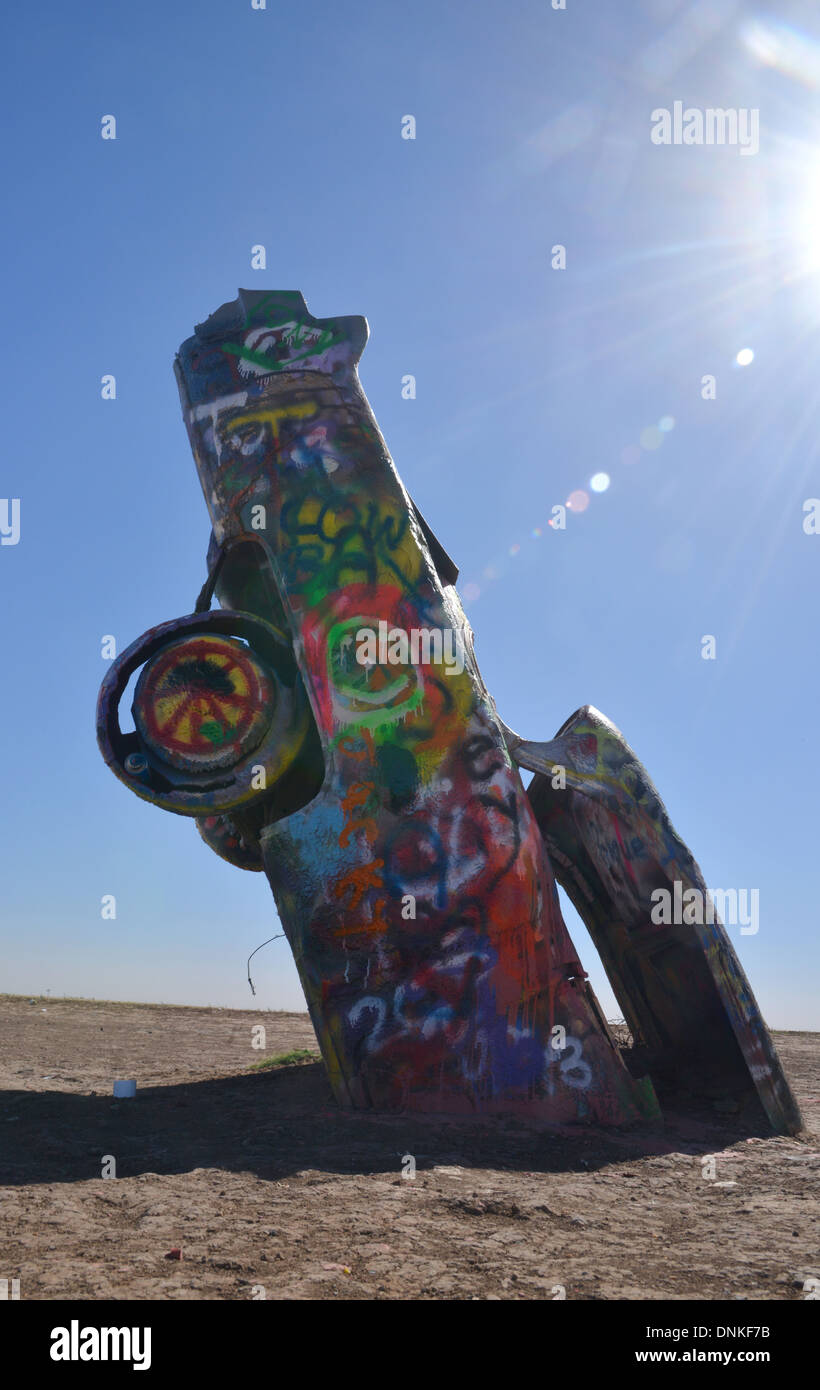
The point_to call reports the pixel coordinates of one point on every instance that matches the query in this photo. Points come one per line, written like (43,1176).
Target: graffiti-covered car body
(406,862)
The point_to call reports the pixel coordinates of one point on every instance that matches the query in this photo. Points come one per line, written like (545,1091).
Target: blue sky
(282,127)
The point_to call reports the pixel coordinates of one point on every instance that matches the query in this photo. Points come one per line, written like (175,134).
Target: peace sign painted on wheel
(203,702)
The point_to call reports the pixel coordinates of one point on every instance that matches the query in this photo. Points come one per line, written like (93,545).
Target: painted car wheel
(203,702)
(218,721)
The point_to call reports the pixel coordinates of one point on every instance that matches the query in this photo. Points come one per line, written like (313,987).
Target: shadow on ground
(275,1123)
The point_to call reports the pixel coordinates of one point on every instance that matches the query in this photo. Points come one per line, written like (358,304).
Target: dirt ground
(267,1190)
